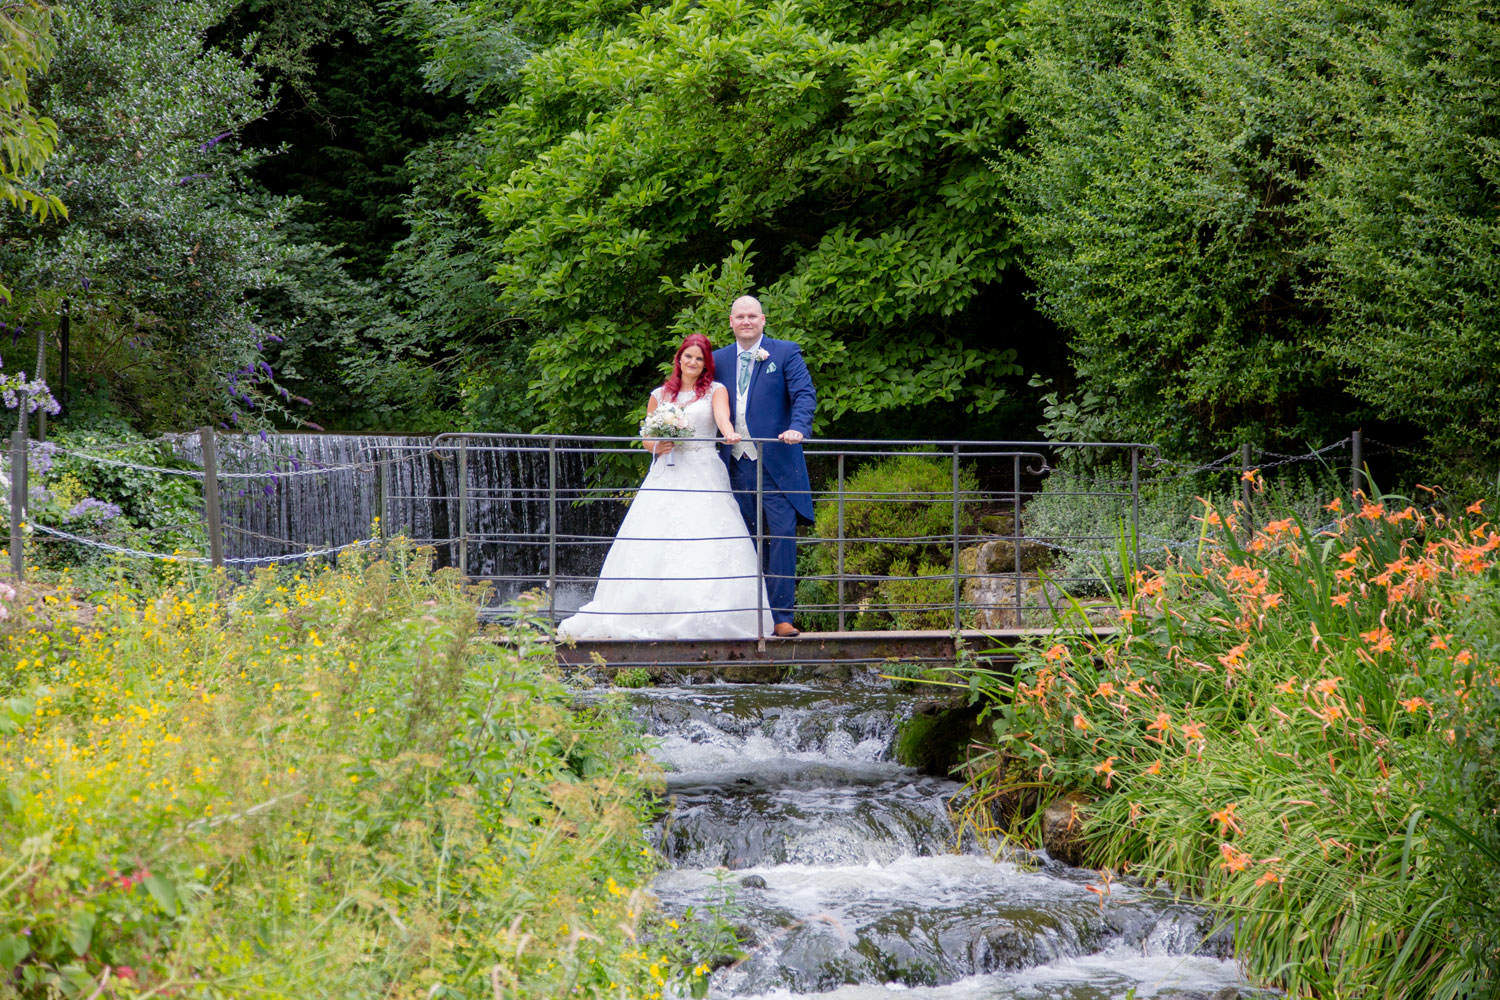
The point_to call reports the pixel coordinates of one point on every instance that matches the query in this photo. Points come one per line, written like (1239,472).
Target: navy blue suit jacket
(781,397)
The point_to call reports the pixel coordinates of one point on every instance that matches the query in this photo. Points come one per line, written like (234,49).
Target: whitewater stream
(845,881)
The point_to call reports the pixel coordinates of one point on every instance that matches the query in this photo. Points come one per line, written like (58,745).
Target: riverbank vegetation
(321,783)
(1296,723)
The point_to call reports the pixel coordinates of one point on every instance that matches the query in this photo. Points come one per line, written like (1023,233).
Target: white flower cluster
(667,421)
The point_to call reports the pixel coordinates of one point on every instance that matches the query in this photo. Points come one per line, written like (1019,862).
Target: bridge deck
(810,649)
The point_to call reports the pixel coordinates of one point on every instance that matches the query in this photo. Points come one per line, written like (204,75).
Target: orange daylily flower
(1227,820)
(1334,506)
(1106,689)
(1079,722)
(1327,685)
(1267,877)
(1057,652)
(1235,860)
(1379,639)
(1107,769)
(1155,767)
(1413,704)
(1192,731)
(1340,600)
(1163,725)
(1464,658)
(1477,507)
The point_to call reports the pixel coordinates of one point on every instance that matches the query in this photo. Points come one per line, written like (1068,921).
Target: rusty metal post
(213,515)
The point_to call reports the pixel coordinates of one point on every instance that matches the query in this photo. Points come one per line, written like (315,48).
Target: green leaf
(163,891)
(81,931)
(13,948)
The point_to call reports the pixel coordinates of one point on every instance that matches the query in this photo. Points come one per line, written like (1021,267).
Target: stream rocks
(1062,828)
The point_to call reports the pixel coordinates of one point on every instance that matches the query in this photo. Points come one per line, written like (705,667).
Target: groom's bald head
(746,320)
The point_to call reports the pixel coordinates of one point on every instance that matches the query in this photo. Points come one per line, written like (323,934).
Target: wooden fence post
(213,515)
(18,500)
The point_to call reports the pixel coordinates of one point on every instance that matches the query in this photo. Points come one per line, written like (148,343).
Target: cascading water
(323,490)
(844,876)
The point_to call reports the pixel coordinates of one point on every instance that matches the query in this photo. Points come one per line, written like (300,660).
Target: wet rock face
(848,879)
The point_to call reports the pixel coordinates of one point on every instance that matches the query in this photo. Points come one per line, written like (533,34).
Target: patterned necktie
(744,379)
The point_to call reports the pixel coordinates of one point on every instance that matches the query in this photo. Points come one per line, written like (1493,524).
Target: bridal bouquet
(668,421)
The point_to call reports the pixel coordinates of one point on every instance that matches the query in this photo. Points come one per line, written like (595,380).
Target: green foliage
(1298,729)
(27,139)
(165,244)
(159,513)
(1088,514)
(898,529)
(654,165)
(634,677)
(1261,219)
(323,783)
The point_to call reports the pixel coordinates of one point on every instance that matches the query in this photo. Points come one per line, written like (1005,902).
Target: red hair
(673,385)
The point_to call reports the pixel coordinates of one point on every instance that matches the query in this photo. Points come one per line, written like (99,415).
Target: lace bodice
(701,412)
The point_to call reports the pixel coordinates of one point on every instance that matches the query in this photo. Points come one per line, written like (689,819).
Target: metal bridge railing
(982,482)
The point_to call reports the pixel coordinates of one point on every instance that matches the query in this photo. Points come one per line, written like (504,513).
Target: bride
(681,565)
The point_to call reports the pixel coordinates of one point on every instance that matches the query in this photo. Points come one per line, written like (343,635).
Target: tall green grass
(319,784)
(1298,726)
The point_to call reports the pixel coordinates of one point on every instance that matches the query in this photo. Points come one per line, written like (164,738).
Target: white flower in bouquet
(668,421)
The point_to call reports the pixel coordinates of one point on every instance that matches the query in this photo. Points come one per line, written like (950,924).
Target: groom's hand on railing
(790,436)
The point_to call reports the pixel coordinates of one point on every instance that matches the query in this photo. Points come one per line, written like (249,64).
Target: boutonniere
(762,354)
(770,367)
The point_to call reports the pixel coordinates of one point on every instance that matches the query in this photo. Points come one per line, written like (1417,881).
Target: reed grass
(1297,725)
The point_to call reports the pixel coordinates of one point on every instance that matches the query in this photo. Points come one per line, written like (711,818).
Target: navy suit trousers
(780,549)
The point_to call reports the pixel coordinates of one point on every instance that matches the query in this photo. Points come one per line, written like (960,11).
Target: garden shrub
(323,783)
(898,522)
(1298,726)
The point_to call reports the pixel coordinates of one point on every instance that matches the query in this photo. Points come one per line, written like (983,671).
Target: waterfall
(843,873)
(288,493)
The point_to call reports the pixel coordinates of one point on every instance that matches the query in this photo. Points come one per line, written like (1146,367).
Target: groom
(770,396)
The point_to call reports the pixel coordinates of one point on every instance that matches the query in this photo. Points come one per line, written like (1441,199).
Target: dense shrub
(321,784)
(898,525)
(1299,729)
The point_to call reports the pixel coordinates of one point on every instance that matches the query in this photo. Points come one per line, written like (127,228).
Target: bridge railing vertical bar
(551,527)
(18,498)
(1356,461)
(1246,458)
(463,507)
(840,543)
(1015,536)
(760,552)
(1135,505)
(958,583)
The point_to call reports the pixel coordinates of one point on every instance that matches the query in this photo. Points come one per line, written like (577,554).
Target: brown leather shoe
(786,630)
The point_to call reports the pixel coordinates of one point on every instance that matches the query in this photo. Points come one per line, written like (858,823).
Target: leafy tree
(828,155)
(27,139)
(1260,220)
(172,256)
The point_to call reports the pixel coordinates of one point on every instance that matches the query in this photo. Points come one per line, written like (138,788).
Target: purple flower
(89,507)
(210,144)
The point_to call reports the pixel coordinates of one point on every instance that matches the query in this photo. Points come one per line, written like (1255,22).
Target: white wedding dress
(682,565)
